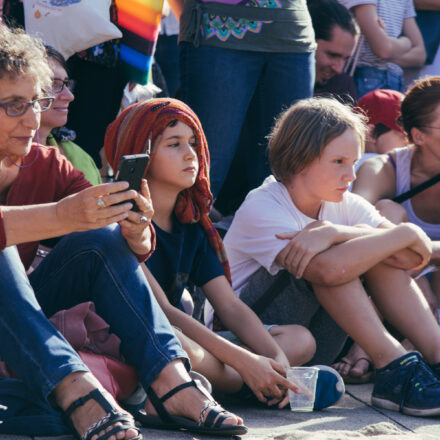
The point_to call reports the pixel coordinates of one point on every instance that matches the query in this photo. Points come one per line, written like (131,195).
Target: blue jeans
(219,84)
(167,56)
(93,266)
(368,79)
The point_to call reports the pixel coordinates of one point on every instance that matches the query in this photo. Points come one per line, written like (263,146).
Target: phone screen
(131,169)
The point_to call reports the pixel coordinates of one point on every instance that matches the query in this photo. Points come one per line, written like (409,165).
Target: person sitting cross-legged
(304,225)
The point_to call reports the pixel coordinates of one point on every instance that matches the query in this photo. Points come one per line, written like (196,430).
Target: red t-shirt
(49,179)
(46,178)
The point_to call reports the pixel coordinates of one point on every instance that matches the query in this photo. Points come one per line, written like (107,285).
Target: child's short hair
(303,131)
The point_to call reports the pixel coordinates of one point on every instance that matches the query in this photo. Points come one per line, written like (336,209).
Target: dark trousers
(98,94)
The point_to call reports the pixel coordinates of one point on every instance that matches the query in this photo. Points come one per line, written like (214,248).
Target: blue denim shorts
(368,79)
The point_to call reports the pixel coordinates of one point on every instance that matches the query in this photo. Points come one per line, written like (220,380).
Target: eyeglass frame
(32,103)
(69,83)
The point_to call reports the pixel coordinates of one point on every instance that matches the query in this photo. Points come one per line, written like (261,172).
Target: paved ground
(347,420)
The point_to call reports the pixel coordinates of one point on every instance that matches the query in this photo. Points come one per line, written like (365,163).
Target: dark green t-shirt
(252,25)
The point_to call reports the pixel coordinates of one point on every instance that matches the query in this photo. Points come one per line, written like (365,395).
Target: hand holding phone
(131,169)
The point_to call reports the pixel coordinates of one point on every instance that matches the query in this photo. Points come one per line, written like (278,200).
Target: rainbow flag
(139,22)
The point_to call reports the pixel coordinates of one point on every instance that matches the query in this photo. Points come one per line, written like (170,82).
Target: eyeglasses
(58,84)
(19,108)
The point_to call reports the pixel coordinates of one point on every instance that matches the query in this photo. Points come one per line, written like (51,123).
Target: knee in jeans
(103,239)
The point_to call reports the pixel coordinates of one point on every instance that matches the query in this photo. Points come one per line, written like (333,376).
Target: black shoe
(436,370)
(407,385)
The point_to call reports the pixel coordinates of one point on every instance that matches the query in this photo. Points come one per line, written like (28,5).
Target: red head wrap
(138,126)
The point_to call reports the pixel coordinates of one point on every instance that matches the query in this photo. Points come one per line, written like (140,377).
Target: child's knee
(195,351)
(297,342)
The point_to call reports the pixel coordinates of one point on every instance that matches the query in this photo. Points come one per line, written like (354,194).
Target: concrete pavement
(351,418)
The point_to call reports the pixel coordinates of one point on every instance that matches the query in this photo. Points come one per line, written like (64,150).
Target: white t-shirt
(250,241)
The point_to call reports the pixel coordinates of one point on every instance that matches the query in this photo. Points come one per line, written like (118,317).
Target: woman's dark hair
(326,14)
(419,104)
(52,53)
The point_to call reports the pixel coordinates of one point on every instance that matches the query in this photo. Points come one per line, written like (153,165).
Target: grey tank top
(403,183)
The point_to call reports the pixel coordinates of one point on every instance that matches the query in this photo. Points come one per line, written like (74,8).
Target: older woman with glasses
(52,129)
(42,196)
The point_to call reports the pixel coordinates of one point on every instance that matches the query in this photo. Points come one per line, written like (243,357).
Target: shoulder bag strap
(417,189)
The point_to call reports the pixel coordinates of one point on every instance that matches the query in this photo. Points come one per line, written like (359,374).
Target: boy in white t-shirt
(304,221)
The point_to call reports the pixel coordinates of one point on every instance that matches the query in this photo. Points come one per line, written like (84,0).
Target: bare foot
(188,402)
(356,366)
(78,385)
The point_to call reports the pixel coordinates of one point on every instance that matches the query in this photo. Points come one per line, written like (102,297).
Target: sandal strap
(96,395)
(159,407)
(107,421)
(215,417)
(112,416)
(158,401)
(177,389)
(205,422)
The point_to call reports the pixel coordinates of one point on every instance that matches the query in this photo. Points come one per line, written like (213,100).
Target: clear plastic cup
(305,378)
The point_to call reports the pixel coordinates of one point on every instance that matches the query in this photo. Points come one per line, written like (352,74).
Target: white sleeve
(410,11)
(252,233)
(362,211)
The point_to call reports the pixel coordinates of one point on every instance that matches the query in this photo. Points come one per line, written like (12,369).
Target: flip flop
(364,378)
(213,423)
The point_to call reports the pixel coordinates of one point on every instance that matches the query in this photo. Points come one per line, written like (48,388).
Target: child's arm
(241,320)
(315,238)
(381,44)
(264,376)
(416,56)
(350,259)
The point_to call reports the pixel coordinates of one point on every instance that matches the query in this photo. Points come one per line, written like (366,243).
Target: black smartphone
(131,169)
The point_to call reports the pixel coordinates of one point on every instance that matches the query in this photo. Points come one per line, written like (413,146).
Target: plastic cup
(305,378)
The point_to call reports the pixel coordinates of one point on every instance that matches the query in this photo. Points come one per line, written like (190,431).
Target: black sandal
(109,419)
(213,424)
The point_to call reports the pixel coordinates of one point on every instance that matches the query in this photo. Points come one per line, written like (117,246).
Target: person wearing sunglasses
(52,129)
(97,259)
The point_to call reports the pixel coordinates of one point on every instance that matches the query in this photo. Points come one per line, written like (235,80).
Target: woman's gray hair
(21,54)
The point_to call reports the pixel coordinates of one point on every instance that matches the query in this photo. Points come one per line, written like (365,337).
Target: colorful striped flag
(139,22)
